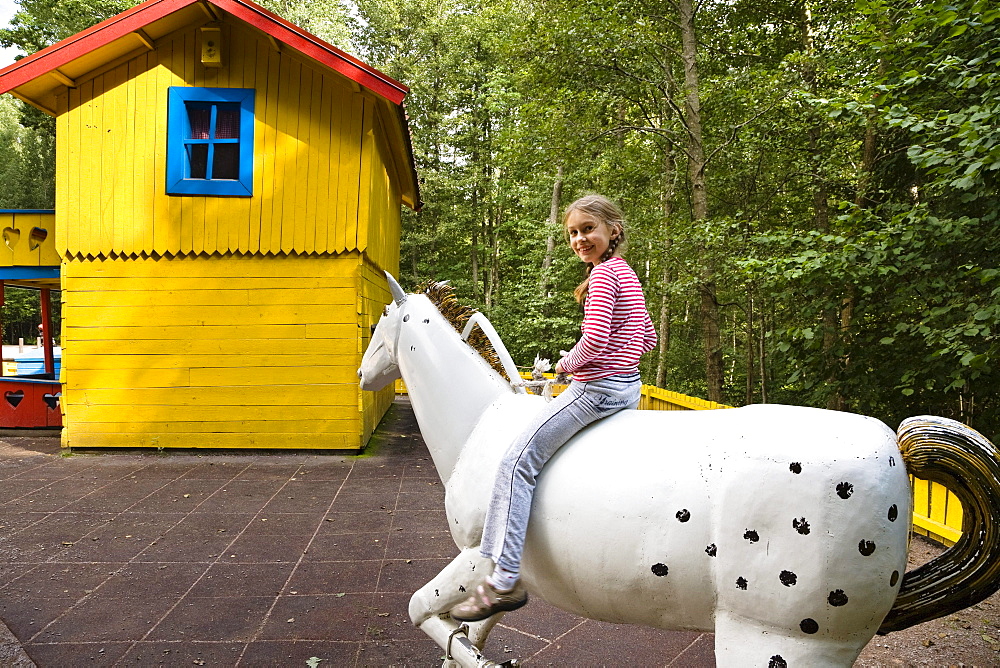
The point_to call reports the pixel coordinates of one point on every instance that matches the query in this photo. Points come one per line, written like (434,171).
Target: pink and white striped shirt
(617,329)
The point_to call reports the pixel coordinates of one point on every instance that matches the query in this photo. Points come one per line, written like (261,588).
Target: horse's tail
(961,459)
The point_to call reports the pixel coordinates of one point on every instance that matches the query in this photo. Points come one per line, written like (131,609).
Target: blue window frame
(210,141)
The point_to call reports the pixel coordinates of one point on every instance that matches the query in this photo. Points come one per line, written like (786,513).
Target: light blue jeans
(576,407)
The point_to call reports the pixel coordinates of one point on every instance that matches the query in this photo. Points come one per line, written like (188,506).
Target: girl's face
(589,237)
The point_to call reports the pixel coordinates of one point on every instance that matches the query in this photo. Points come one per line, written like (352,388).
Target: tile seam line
(54,558)
(255,636)
(677,658)
(381,565)
(204,571)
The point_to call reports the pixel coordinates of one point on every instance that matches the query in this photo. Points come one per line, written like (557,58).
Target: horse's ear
(398,295)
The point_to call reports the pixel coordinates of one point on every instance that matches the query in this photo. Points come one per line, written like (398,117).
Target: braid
(611,248)
(609,214)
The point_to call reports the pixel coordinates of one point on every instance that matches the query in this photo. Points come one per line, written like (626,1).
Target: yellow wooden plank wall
(212,352)
(16,242)
(373,295)
(312,177)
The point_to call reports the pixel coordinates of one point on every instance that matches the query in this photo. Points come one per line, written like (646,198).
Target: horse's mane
(443,297)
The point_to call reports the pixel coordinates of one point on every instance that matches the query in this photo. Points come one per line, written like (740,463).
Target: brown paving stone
(505,643)
(366,521)
(247,496)
(237,580)
(177,496)
(421,545)
(541,620)
(97,654)
(331,617)
(183,653)
(355,502)
(423,486)
(419,520)
(408,575)
(699,653)
(283,524)
(214,469)
(297,652)
(25,617)
(392,616)
(314,578)
(221,619)
(609,642)
(57,528)
(377,653)
(103,619)
(346,546)
(420,501)
(56,581)
(387,488)
(267,548)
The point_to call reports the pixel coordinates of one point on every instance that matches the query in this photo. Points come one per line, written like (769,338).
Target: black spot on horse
(893,512)
(788,578)
(809,626)
(461,588)
(427,321)
(866,547)
(777,662)
(683,515)
(795,467)
(844,490)
(892,461)
(800,525)
(894,578)
(711,550)
(837,598)
(406,318)
(751,535)
(659,570)
(741,583)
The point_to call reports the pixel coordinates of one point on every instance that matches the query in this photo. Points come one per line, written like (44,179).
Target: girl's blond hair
(607,212)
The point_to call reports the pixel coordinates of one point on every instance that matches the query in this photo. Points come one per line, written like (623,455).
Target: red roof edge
(57,55)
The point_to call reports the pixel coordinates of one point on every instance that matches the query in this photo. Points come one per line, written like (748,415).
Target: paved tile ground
(254,560)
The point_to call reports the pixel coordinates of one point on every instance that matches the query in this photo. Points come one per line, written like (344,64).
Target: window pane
(200,119)
(226,163)
(198,155)
(227,123)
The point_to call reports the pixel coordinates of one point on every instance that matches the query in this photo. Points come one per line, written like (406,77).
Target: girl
(617,330)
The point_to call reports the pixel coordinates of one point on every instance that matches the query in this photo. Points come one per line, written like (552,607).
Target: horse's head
(379,365)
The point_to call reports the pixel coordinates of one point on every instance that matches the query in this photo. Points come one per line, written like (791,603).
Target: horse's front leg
(449,587)
(429,607)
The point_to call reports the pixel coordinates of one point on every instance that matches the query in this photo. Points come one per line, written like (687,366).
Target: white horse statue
(782,529)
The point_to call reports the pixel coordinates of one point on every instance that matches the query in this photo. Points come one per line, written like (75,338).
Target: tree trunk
(545,282)
(709,311)
(821,212)
(664,334)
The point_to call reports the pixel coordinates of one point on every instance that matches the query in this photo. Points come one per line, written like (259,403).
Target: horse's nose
(359,374)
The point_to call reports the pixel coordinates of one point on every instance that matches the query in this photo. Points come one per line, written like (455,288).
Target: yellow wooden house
(228,194)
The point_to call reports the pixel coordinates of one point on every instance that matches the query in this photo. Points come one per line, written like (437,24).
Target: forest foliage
(810,186)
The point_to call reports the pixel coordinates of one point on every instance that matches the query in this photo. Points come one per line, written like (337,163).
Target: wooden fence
(937,513)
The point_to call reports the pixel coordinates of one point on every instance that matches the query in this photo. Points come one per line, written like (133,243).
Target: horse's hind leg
(742,642)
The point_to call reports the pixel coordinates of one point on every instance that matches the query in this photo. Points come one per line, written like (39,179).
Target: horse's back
(741,508)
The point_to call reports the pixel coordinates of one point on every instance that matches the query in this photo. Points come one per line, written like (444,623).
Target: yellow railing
(937,513)
(653,398)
